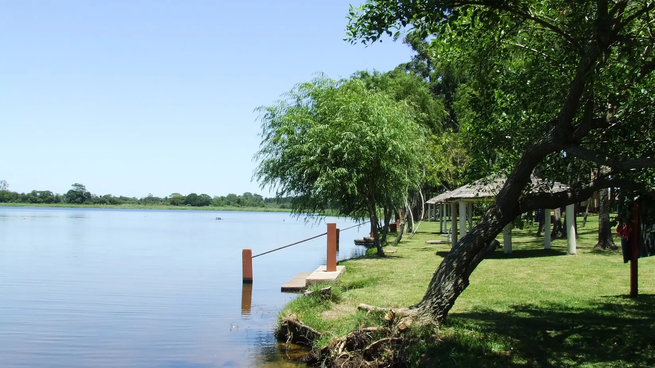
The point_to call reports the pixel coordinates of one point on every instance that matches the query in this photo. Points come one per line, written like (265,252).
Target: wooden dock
(319,276)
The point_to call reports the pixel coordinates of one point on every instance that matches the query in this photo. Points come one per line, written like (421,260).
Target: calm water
(148,288)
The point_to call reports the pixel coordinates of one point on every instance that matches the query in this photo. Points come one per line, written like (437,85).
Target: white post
(547,228)
(443,218)
(462,219)
(453,223)
(507,238)
(570,229)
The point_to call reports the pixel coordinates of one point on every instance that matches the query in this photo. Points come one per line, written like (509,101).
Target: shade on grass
(531,308)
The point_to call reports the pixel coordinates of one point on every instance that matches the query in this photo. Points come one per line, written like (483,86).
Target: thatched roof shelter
(460,203)
(488,188)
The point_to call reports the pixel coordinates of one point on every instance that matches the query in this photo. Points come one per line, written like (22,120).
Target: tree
(4,185)
(605,240)
(191,199)
(176,199)
(557,87)
(337,144)
(77,195)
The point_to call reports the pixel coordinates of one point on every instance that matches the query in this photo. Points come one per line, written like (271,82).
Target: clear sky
(133,97)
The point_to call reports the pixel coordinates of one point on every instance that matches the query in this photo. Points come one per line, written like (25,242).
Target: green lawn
(532,308)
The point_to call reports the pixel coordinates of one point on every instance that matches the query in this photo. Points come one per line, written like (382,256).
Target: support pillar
(462,219)
(507,238)
(453,223)
(442,227)
(331,247)
(570,229)
(246,257)
(547,228)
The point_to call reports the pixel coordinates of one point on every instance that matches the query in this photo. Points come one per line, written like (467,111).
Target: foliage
(521,58)
(342,145)
(80,196)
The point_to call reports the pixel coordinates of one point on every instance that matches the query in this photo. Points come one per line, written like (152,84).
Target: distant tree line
(78,194)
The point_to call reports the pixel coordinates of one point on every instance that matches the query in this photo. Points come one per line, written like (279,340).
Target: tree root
(294,331)
(372,347)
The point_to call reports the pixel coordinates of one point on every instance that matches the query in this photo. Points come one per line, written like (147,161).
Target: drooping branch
(617,164)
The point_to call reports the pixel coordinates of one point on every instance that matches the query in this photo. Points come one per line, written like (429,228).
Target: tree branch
(633,16)
(599,158)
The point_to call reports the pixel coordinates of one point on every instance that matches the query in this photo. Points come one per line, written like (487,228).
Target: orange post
(247,265)
(338,238)
(331,247)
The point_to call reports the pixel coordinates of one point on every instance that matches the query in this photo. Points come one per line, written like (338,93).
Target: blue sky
(144,96)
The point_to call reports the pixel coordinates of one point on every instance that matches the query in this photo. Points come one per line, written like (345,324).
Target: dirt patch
(338,310)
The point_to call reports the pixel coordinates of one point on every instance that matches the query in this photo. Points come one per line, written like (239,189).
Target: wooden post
(547,228)
(507,238)
(453,223)
(634,252)
(331,247)
(570,229)
(246,256)
(338,238)
(246,298)
(462,219)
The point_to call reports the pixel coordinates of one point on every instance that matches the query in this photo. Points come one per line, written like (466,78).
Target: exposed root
(291,330)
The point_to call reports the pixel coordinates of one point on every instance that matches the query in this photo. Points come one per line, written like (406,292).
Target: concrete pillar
(443,218)
(570,229)
(462,219)
(453,223)
(507,238)
(547,228)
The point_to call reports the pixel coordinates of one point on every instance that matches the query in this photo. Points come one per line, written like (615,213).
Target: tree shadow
(616,331)
(518,254)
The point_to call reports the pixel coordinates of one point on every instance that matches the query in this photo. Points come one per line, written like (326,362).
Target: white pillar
(570,229)
(507,238)
(453,223)
(462,218)
(443,218)
(547,228)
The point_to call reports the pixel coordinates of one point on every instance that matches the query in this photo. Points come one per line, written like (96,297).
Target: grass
(531,308)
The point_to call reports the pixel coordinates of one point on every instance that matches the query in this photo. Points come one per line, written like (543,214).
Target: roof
(489,187)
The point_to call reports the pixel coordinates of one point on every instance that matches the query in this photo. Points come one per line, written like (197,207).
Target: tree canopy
(341,145)
(554,88)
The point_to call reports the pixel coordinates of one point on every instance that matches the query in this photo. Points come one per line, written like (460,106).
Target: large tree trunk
(605,240)
(387,210)
(452,275)
(375,231)
(401,228)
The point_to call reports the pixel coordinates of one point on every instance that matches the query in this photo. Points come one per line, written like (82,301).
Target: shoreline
(146,207)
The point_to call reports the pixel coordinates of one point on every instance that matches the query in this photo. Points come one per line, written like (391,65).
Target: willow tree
(558,87)
(339,145)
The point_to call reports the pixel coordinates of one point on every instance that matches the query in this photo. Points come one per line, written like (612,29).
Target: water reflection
(246,298)
(134,288)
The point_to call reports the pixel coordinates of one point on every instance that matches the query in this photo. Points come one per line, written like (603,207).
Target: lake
(149,288)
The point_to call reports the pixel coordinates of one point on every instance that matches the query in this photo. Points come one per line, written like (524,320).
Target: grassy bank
(153,207)
(532,308)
